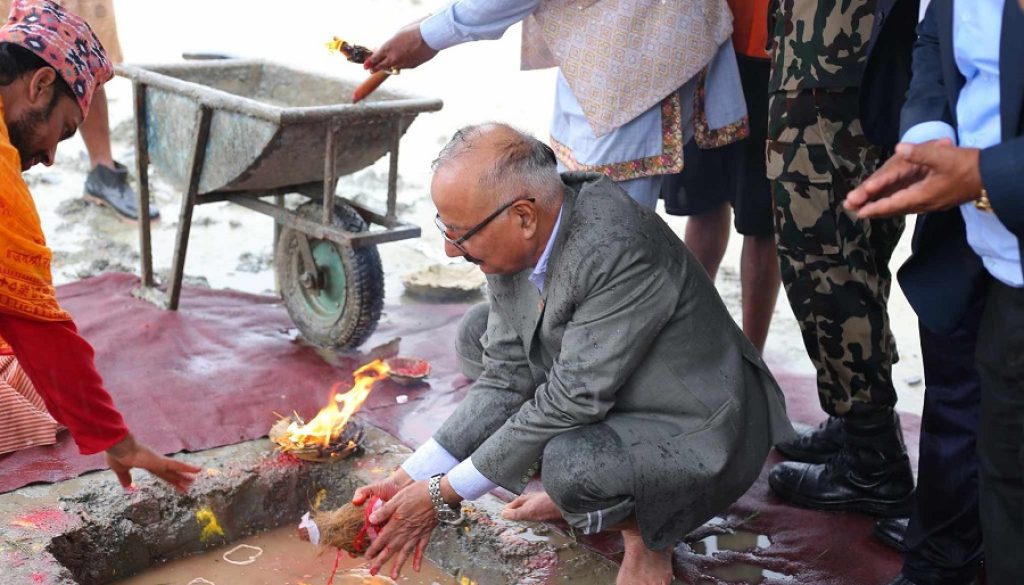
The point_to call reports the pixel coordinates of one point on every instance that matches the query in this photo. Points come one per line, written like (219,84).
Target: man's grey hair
(523,165)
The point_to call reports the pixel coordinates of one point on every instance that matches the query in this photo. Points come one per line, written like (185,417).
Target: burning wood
(329,436)
(359,54)
(354,53)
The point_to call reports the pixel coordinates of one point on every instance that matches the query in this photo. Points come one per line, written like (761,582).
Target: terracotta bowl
(408,371)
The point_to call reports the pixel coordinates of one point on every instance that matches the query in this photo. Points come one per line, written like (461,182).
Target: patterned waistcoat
(621,57)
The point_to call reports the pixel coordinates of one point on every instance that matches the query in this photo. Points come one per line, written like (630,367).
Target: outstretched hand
(407,519)
(919,178)
(405,50)
(128,453)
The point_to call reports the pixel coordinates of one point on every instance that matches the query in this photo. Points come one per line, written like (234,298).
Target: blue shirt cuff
(926,131)
(438,31)
(468,482)
(430,459)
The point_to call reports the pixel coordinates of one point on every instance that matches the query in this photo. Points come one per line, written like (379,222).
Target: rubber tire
(364,282)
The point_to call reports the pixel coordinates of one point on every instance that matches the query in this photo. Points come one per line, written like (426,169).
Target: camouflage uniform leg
(834,266)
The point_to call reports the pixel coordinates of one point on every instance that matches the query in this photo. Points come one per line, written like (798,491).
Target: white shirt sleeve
(473,20)
(926,131)
(468,482)
(430,459)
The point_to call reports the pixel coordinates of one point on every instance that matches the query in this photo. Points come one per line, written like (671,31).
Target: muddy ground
(231,246)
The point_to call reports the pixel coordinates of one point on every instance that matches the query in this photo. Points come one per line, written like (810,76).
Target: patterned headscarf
(63,40)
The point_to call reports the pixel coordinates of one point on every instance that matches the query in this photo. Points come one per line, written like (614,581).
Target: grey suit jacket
(629,332)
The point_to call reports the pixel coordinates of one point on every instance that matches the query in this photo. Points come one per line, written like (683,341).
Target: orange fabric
(26,286)
(750,27)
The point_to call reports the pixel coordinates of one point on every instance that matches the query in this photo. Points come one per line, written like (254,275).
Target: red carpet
(215,372)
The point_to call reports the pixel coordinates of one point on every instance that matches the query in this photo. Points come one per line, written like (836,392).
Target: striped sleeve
(24,421)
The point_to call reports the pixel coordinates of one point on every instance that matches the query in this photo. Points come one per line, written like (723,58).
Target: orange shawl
(26,285)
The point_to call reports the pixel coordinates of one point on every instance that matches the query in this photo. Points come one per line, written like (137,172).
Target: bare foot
(534,507)
(641,565)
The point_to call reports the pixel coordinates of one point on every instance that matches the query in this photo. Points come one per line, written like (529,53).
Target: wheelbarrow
(244,130)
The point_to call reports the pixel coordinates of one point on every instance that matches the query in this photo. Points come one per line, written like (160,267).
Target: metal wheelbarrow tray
(240,130)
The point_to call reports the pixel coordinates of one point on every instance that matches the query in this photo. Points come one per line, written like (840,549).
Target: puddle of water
(736,541)
(739,541)
(284,560)
(743,574)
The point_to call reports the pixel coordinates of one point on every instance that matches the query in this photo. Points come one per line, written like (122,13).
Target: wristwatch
(446,513)
(982,203)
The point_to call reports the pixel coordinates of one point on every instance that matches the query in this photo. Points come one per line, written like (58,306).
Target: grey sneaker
(110,187)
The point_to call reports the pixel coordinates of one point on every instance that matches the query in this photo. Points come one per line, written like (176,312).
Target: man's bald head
(498,195)
(506,163)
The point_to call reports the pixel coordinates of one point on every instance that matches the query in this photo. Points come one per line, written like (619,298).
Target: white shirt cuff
(926,131)
(468,482)
(430,459)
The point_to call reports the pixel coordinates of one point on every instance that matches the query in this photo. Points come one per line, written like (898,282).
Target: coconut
(343,528)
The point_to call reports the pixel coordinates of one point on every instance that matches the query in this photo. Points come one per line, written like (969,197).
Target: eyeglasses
(457,242)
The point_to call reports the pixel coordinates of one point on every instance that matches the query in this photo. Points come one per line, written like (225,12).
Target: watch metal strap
(445,513)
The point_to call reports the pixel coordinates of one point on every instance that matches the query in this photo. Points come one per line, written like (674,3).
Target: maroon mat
(216,371)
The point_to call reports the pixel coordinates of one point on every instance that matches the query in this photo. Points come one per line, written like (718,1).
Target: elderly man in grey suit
(606,359)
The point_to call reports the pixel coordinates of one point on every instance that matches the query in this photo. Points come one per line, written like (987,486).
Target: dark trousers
(943,539)
(1001,435)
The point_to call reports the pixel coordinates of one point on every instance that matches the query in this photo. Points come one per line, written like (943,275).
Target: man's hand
(408,520)
(405,50)
(919,178)
(127,454)
(384,489)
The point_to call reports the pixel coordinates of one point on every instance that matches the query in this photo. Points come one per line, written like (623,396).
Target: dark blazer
(888,70)
(944,273)
(631,333)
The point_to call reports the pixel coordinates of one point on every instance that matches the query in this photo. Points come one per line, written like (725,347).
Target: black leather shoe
(814,444)
(870,474)
(109,187)
(891,532)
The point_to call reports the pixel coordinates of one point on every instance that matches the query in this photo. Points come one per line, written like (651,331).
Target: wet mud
(88,531)
(278,557)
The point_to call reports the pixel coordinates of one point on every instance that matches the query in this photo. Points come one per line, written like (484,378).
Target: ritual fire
(359,54)
(329,436)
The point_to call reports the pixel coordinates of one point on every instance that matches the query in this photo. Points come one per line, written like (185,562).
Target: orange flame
(331,420)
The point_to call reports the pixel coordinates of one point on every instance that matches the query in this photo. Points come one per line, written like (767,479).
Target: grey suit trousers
(585,477)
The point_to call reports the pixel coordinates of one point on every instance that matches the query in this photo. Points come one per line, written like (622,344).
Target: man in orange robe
(50,66)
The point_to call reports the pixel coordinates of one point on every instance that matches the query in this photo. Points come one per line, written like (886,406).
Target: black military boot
(814,444)
(109,187)
(870,474)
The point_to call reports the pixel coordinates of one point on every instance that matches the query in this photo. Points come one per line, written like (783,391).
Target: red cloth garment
(60,365)
(750,27)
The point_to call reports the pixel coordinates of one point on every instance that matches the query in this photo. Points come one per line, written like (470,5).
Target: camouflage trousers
(835,267)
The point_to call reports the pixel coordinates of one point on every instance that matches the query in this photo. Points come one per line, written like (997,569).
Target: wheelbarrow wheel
(340,304)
